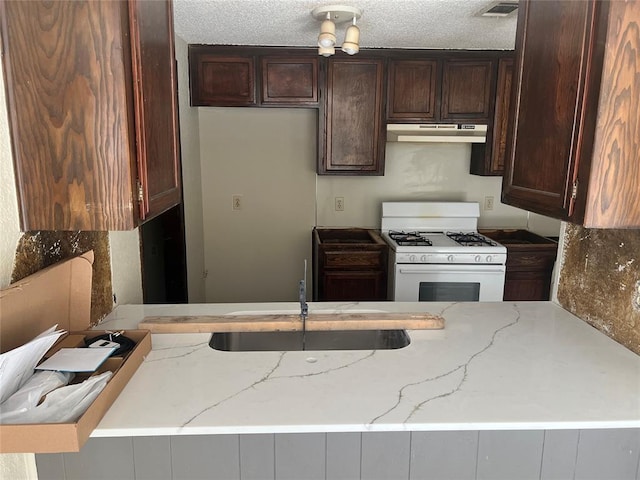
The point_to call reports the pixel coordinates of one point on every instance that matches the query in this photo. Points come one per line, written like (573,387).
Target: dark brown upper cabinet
(412,90)
(448,90)
(467,90)
(573,145)
(489,158)
(289,81)
(223,76)
(222,80)
(92,99)
(351,140)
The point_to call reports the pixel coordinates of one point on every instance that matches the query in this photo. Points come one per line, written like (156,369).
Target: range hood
(434,133)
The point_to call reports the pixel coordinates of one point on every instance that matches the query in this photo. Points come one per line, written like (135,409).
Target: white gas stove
(438,255)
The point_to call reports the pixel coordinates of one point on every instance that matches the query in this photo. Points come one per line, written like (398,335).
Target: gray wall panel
(50,466)
(343,456)
(257,457)
(152,458)
(608,454)
(559,454)
(513,455)
(211,457)
(510,455)
(101,459)
(386,455)
(443,455)
(300,456)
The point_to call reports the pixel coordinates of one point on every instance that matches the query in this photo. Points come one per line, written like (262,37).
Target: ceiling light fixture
(351,39)
(327,37)
(330,15)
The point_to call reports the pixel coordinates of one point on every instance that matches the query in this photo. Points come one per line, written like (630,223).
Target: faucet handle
(303,298)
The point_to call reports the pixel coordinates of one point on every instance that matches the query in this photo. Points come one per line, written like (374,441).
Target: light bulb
(351,39)
(327,37)
(326,51)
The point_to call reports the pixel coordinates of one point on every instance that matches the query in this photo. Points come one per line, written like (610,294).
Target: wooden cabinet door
(501,118)
(291,81)
(68,85)
(467,90)
(352,133)
(219,80)
(156,106)
(489,158)
(411,93)
(347,286)
(555,50)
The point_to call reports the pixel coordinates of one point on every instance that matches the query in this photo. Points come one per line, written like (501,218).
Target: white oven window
(449,292)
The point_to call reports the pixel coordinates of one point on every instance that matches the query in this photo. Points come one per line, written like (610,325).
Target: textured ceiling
(384,23)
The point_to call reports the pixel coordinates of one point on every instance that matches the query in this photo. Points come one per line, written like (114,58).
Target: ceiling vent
(499,9)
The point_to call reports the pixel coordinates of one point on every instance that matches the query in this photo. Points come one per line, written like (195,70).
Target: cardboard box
(61,294)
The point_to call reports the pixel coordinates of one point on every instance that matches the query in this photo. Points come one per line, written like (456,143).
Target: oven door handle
(468,271)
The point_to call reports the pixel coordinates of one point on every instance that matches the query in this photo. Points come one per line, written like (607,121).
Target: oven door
(448,283)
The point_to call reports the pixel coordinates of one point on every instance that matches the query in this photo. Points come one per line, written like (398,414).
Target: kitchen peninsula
(507,388)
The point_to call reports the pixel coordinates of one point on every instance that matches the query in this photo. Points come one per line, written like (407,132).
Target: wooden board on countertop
(281,322)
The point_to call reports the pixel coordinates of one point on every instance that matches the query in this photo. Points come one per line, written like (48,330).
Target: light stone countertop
(495,366)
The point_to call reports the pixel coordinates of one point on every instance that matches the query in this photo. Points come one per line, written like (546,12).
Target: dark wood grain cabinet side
(155,89)
(572,152)
(91,150)
(489,158)
(352,130)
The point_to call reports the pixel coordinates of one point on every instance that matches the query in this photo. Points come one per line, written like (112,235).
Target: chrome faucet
(304,308)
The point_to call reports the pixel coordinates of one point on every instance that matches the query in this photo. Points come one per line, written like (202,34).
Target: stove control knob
(478,259)
(412,258)
(450,258)
(423,259)
(489,258)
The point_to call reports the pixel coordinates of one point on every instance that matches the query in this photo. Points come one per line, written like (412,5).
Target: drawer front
(342,259)
(533,261)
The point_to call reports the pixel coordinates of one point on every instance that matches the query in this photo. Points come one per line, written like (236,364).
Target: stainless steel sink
(314,340)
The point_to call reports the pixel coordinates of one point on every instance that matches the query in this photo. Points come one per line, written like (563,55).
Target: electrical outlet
(339,204)
(236,202)
(488,203)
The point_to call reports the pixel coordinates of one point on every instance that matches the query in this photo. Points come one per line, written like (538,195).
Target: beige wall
(421,173)
(191,184)
(267,156)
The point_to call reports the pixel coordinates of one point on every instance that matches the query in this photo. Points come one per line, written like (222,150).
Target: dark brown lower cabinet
(349,264)
(528,274)
(530,260)
(347,285)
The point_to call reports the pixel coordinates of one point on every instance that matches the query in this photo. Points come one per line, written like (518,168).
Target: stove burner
(410,239)
(470,239)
